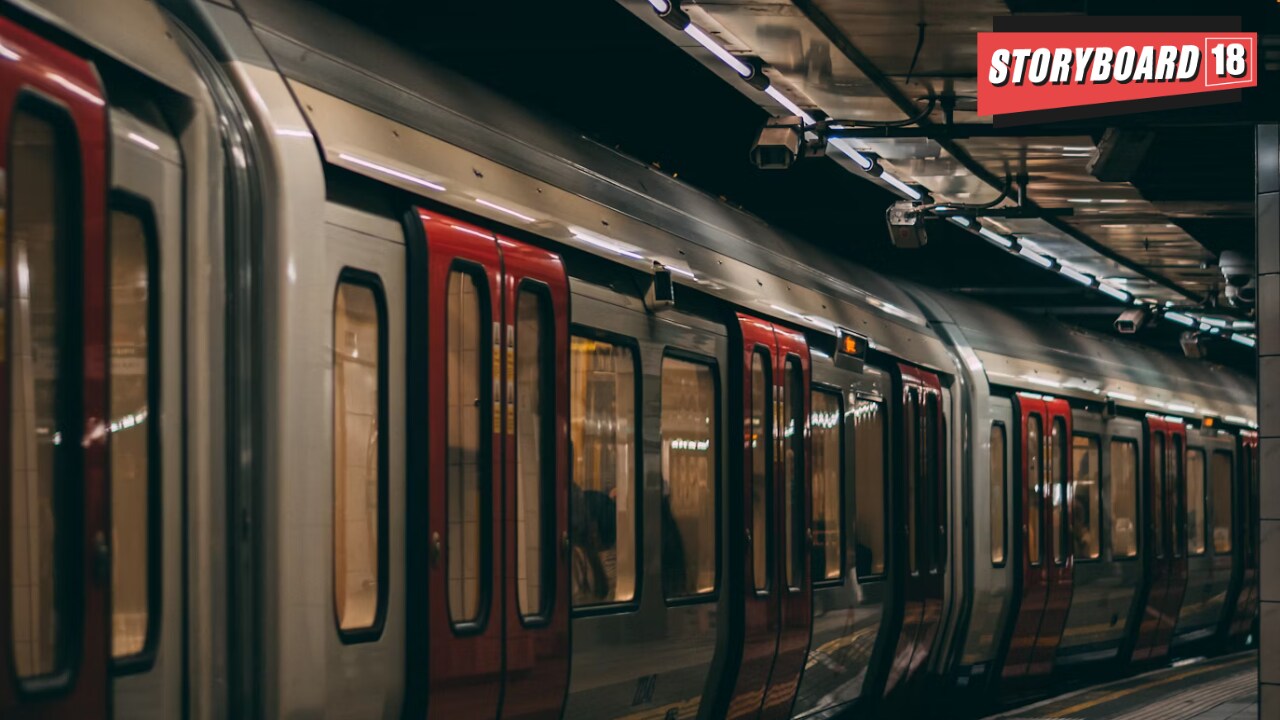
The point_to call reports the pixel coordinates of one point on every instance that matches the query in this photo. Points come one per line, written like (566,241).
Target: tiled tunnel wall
(1268,248)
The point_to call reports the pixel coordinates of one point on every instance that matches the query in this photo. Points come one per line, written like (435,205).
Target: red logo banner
(1029,71)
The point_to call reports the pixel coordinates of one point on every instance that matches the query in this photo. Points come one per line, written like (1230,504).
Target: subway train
(339,387)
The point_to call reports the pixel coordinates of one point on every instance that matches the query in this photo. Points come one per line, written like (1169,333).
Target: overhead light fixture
(1082,278)
(1180,318)
(996,237)
(1245,340)
(960,220)
(719,51)
(1113,201)
(1115,292)
(1153,403)
(903,187)
(1043,261)
(1182,408)
(1122,396)
(790,105)
(1236,420)
(843,146)
(1132,320)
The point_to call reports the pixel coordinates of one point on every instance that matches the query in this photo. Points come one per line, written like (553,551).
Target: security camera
(778,145)
(906,225)
(1237,270)
(1133,320)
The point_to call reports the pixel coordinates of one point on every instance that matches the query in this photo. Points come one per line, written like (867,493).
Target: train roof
(1040,354)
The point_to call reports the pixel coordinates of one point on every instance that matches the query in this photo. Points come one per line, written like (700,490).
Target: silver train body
(284,155)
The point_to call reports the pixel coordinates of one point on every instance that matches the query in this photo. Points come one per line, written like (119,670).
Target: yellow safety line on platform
(1146,686)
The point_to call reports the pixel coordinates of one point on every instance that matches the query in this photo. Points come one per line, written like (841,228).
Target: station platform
(1221,688)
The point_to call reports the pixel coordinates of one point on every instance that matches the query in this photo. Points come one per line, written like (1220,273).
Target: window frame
(713,364)
(1206,473)
(547,361)
(1042,549)
(1138,469)
(1004,494)
(769,426)
(479,274)
(1098,513)
(796,391)
(887,468)
(143,209)
(841,506)
(1231,497)
(69,240)
(633,347)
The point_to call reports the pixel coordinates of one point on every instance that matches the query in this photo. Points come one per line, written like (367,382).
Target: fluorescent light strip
(843,146)
(963,222)
(1035,257)
(1179,407)
(1153,403)
(786,102)
(1245,340)
(905,188)
(508,211)
(1180,319)
(660,5)
(1115,292)
(718,50)
(996,237)
(1122,396)
(1113,201)
(391,171)
(1236,420)
(1076,275)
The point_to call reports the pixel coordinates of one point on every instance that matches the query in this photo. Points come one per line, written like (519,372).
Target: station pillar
(1267,227)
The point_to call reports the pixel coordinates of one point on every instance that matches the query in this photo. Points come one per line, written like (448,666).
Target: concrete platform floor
(1221,688)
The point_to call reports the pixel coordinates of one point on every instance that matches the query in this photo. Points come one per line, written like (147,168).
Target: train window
(827,426)
(467,457)
(535,451)
(133,492)
(1035,491)
(1122,498)
(933,537)
(870,479)
(791,430)
(359,445)
(1220,499)
(38,320)
(1195,501)
(912,442)
(761,470)
(998,478)
(690,423)
(1158,502)
(602,379)
(1058,489)
(1177,479)
(1086,498)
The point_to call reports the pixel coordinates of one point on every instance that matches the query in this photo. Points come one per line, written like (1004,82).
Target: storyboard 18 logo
(1026,72)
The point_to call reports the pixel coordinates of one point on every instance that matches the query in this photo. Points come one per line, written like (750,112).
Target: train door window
(933,538)
(1220,501)
(791,430)
(359,451)
(690,423)
(1086,498)
(1195,501)
(998,479)
(910,472)
(1122,498)
(870,479)
(1177,479)
(1034,490)
(134,495)
(761,470)
(1158,501)
(827,426)
(1057,466)
(38,321)
(535,455)
(467,476)
(602,428)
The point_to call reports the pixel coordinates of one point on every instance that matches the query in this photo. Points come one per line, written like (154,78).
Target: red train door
(496,435)
(1032,595)
(776,594)
(793,514)
(923,522)
(54,568)
(537,476)
(1166,531)
(1057,522)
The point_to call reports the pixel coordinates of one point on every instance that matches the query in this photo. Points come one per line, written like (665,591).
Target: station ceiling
(616,72)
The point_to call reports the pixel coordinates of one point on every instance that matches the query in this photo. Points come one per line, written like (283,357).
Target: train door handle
(101,558)
(435,548)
